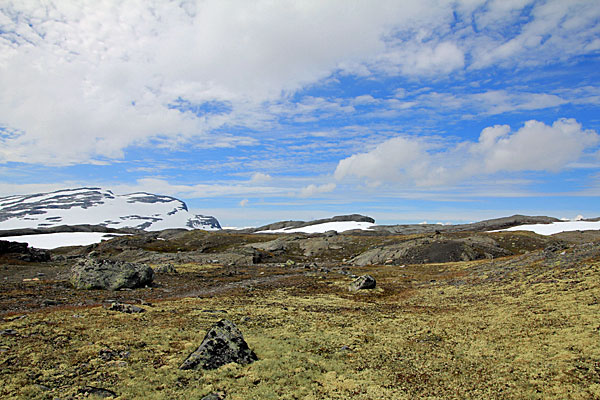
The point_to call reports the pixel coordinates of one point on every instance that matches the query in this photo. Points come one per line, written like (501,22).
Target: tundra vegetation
(520,325)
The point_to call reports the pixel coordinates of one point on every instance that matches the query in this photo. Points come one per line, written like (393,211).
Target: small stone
(165,269)
(95,391)
(214,396)
(126,308)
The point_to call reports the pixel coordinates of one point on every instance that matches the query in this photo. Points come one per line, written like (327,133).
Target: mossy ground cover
(525,327)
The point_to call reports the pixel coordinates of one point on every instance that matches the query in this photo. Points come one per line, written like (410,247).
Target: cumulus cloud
(259,177)
(87,80)
(312,189)
(533,147)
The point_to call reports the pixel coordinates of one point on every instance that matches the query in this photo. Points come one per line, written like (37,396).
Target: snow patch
(557,227)
(341,226)
(54,240)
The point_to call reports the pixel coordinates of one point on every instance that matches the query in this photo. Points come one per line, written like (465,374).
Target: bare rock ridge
(409,229)
(93,206)
(303,224)
(482,226)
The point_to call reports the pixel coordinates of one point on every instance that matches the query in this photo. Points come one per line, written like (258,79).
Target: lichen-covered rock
(213,396)
(112,275)
(223,344)
(165,269)
(363,282)
(432,250)
(126,308)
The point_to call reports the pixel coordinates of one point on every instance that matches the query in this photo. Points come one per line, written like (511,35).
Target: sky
(259,111)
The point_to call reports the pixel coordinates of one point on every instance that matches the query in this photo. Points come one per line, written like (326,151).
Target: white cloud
(534,147)
(387,162)
(162,186)
(312,189)
(259,177)
(423,59)
(86,80)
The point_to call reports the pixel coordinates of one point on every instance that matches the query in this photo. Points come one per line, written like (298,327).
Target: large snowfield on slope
(341,226)
(557,227)
(97,206)
(54,240)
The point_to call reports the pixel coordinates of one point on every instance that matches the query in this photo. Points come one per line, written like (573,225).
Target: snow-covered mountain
(97,206)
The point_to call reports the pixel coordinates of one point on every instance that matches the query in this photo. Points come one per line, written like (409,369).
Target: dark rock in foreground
(363,282)
(112,275)
(223,344)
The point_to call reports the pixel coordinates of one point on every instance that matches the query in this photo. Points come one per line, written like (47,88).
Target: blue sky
(258,111)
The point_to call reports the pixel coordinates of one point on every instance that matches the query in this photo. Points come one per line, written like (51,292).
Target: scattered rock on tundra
(126,308)
(223,344)
(213,396)
(113,275)
(363,282)
(165,268)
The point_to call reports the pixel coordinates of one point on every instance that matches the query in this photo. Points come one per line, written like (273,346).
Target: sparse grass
(482,330)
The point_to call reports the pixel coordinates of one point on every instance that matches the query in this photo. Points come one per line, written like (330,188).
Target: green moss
(494,330)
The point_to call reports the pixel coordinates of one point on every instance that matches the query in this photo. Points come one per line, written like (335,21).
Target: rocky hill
(100,207)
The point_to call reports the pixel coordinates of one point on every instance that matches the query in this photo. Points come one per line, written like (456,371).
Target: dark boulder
(113,275)
(223,344)
(7,247)
(363,282)
(23,252)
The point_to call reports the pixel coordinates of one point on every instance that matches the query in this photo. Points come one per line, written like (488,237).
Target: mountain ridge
(95,206)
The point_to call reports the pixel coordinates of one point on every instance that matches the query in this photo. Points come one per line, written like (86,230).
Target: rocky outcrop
(482,226)
(7,247)
(23,252)
(67,228)
(363,282)
(223,344)
(432,250)
(112,275)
